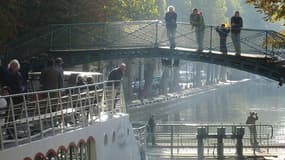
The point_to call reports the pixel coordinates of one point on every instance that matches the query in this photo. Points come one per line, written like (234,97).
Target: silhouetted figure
(170,20)
(197,22)
(80,81)
(58,66)
(51,77)
(223,33)
(113,88)
(150,129)
(236,25)
(252,128)
(3,73)
(116,74)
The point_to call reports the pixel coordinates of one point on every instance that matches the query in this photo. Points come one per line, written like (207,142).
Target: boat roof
(68,73)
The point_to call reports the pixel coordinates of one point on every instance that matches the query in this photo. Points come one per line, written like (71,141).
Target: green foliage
(274,10)
(20,16)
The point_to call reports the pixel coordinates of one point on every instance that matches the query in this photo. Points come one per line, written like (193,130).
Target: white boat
(77,123)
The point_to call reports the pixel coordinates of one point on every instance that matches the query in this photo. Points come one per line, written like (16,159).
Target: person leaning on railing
(115,75)
(197,22)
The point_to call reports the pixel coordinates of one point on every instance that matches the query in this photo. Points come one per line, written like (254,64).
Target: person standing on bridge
(197,22)
(223,33)
(236,25)
(171,25)
(252,128)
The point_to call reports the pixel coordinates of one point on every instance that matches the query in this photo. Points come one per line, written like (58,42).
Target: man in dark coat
(151,127)
(170,20)
(236,25)
(116,74)
(197,22)
(113,88)
(51,77)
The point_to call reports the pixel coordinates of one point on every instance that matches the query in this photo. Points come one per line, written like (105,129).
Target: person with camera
(223,33)
(251,119)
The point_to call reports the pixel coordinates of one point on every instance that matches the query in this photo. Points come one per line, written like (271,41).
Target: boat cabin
(71,78)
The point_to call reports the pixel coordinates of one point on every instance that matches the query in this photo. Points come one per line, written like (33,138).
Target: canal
(226,105)
(232,105)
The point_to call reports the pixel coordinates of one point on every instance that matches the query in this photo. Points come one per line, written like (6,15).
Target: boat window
(105,139)
(51,156)
(82,154)
(62,154)
(72,155)
(114,137)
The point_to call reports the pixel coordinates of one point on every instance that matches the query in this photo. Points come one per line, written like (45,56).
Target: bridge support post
(239,144)
(220,144)
(201,134)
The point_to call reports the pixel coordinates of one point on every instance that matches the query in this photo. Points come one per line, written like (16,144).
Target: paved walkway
(229,153)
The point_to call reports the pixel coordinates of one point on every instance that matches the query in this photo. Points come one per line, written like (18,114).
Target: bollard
(220,146)
(201,134)
(239,145)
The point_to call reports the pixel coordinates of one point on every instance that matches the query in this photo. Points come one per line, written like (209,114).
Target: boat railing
(35,115)
(140,132)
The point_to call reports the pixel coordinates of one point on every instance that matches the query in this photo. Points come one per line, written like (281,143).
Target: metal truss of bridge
(263,51)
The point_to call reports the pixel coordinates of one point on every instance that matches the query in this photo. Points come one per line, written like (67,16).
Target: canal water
(232,105)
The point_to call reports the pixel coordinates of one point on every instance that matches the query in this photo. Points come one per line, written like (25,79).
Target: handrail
(220,125)
(148,33)
(165,133)
(43,113)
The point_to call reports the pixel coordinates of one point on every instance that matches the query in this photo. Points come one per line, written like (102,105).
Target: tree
(17,17)
(273,10)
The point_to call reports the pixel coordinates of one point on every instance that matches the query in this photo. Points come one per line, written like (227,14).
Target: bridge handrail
(154,35)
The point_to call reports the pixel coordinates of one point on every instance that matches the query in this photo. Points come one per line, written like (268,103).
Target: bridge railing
(32,116)
(153,34)
(138,34)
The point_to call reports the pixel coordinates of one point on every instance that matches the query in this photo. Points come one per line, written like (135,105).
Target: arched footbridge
(262,51)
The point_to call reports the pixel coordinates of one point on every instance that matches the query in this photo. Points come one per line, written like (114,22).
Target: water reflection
(232,105)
